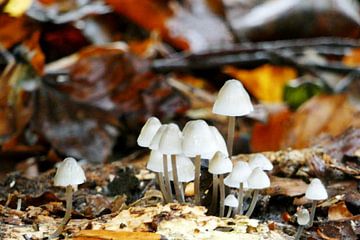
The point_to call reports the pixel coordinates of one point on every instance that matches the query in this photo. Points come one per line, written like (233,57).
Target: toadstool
(316,191)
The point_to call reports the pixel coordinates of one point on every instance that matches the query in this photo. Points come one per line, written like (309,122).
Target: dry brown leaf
(286,186)
(266,83)
(330,114)
(338,211)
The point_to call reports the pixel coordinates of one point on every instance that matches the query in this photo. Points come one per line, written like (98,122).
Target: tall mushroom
(232,101)
(220,164)
(69,174)
(257,180)
(316,191)
(237,179)
(198,141)
(170,144)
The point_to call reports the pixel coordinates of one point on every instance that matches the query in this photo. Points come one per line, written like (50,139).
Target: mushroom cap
(259,160)
(220,164)
(198,140)
(258,179)
(148,131)
(220,141)
(154,144)
(155,162)
(233,100)
(241,171)
(69,172)
(303,216)
(232,182)
(185,169)
(316,190)
(231,201)
(170,141)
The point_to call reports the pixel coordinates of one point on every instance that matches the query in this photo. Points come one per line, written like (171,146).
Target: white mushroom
(259,160)
(316,191)
(231,202)
(148,131)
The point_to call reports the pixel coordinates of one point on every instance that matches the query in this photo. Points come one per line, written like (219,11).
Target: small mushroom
(198,141)
(69,174)
(155,164)
(259,160)
(316,191)
(220,164)
(303,218)
(237,179)
(170,144)
(232,100)
(185,172)
(257,180)
(154,145)
(231,202)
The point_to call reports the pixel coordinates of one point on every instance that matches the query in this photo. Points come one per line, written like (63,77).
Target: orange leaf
(105,234)
(268,137)
(266,83)
(151,15)
(338,211)
(352,58)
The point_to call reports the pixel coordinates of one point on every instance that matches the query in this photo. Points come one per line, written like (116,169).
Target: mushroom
(231,202)
(257,180)
(316,191)
(303,218)
(259,160)
(232,101)
(145,139)
(186,171)
(154,145)
(221,146)
(198,141)
(220,164)
(69,174)
(148,132)
(155,164)
(170,144)
(239,176)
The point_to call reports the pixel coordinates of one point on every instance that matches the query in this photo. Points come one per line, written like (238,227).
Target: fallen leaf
(266,82)
(269,136)
(338,211)
(112,235)
(330,114)
(352,58)
(286,186)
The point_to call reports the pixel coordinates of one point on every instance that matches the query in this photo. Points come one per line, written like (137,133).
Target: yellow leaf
(266,82)
(352,58)
(107,235)
(16,8)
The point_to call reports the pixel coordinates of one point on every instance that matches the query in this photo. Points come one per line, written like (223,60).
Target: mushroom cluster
(172,149)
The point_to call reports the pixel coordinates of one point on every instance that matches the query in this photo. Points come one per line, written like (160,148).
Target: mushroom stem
(176,179)
(167,179)
(253,203)
(241,199)
(68,197)
(230,135)
(197,179)
(312,213)
(222,195)
(160,179)
(299,232)
(229,212)
(214,192)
